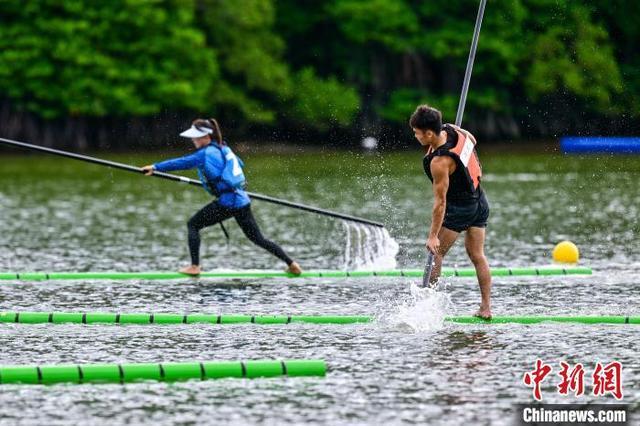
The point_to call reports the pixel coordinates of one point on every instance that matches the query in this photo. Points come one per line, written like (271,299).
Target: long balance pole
(426,278)
(186,180)
(470,60)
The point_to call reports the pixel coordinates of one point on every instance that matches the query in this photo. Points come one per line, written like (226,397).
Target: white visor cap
(196,132)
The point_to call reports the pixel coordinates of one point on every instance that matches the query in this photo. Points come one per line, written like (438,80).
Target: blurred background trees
(128,73)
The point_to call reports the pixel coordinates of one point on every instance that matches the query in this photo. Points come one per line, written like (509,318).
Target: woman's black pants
(214,213)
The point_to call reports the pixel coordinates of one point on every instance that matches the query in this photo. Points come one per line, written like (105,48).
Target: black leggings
(214,213)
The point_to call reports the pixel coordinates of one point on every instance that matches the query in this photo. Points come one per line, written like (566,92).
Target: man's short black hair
(426,118)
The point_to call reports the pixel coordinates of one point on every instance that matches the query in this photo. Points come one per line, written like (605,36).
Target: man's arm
(440,167)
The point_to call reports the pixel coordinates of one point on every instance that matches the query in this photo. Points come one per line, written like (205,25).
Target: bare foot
(294,269)
(190,270)
(484,313)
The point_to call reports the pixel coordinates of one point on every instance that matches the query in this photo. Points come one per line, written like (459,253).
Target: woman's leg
(247,222)
(209,215)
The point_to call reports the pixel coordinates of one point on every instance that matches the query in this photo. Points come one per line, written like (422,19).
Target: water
(368,248)
(407,367)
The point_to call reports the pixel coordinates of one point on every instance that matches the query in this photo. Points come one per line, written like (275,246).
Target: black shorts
(460,217)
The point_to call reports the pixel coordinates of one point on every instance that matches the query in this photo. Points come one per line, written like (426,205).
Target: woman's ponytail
(216,127)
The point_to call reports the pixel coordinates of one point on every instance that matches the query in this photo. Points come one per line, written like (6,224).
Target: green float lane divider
(164,318)
(446,272)
(538,319)
(165,372)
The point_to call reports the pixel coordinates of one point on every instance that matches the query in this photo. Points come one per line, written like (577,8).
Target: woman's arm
(182,163)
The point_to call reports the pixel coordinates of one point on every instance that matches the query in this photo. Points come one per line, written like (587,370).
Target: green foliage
(391,23)
(531,52)
(138,57)
(574,56)
(316,65)
(403,102)
(250,57)
(620,19)
(256,80)
(322,103)
(113,58)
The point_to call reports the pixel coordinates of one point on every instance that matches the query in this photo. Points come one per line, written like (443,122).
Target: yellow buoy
(566,252)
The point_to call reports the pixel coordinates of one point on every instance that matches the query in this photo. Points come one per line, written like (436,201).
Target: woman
(220,171)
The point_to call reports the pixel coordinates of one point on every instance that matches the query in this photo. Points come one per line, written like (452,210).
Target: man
(452,165)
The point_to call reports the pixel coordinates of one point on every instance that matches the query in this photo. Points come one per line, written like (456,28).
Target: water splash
(424,309)
(368,247)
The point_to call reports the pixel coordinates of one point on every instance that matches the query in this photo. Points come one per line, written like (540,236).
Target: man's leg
(474,243)
(447,237)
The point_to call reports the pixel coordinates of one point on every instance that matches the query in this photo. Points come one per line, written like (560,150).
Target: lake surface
(407,367)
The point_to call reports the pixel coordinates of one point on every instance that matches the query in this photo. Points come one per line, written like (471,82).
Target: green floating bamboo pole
(446,272)
(165,318)
(540,319)
(165,372)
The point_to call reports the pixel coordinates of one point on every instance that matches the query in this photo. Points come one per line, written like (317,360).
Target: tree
(257,82)
(97,59)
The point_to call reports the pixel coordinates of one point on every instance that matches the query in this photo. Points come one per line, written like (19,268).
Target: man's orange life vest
(464,183)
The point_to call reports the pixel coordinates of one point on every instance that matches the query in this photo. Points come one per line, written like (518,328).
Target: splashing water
(423,310)
(368,247)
